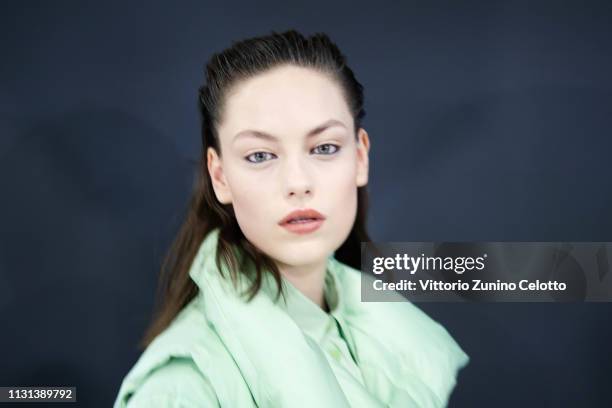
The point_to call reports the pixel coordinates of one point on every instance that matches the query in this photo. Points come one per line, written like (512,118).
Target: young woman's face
(273,162)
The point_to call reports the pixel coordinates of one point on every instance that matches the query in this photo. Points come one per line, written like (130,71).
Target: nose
(297,179)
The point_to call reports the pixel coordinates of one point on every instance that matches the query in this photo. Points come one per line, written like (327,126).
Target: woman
(262,293)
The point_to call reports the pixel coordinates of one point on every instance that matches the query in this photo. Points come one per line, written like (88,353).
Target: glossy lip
(303,227)
(303,213)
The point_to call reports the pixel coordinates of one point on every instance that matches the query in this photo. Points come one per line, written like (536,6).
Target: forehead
(284,100)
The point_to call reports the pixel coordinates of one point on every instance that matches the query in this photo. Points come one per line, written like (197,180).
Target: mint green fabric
(223,351)
(329,332)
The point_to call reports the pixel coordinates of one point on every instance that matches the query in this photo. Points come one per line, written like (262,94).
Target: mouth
(302,221)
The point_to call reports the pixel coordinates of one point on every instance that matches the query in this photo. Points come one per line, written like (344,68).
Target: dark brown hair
(226,69)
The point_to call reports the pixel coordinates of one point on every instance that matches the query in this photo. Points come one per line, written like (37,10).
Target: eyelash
(325,154)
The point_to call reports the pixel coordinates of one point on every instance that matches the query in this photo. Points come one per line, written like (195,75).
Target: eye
(327,148)
(259,157)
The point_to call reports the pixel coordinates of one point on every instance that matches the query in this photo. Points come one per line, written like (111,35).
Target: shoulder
(172,371)
(418,342)
(178,383)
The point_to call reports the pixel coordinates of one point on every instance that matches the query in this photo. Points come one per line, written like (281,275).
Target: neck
(308,279)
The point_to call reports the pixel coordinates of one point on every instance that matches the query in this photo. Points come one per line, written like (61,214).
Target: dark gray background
(488,121)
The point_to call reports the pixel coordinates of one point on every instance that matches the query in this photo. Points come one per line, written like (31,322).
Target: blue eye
(259,157)
(326,148)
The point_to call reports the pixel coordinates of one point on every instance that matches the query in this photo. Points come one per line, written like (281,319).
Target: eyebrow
(267,136)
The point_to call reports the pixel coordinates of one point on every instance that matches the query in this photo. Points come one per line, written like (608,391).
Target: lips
(303,221)
(301,216)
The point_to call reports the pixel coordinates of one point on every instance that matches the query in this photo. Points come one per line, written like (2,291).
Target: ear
(363,148)
(219,182)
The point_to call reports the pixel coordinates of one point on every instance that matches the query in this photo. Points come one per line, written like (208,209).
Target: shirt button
(335,353)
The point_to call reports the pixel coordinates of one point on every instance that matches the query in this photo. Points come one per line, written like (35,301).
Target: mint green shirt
(223,352)
(164,389)
(331,333)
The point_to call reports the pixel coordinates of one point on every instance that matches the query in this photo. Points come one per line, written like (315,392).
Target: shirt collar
(309,317)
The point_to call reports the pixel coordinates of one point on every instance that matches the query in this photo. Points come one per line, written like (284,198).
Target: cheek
(245,197)
(340,190)
(339,180)
(250,200)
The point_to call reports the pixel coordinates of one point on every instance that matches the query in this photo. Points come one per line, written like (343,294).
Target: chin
(304,253)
